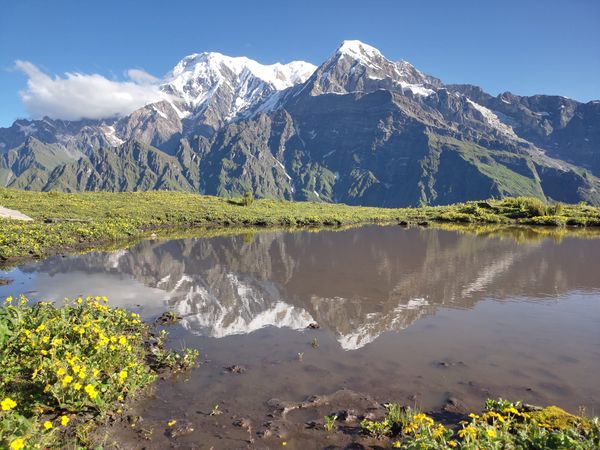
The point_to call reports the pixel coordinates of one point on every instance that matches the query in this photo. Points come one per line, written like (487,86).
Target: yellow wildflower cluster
(8,404)
(504,425)
(81,356)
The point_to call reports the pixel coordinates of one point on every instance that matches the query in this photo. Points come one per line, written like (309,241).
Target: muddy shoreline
(282,423)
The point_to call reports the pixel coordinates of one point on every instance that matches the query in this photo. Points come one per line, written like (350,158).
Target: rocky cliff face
(359,129)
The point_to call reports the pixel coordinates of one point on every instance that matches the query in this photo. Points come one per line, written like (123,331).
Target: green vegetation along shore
(502,425)
(66,222)
(64,368)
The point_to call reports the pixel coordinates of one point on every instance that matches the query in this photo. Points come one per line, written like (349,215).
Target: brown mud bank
(336,420)
(273,424)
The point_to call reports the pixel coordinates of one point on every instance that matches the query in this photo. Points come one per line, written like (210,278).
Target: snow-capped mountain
(214,89)
(358,67)
(359,129)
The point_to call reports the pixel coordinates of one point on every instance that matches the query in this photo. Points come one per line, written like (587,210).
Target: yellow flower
(122,375)
(7,404)
(438,431)
(17,444)
(77,386)
(47,388)
(120,398)
(423,418)
(66,380)
(452,443)
(64,420)
(410,428)
(473,416)
(60,372)
(122,340)
(467,431)
(497,416)
(91,391)
(95,372)
(171,423)
(42,327)
(45,339)
(396,444)
(47,424)
(491,432)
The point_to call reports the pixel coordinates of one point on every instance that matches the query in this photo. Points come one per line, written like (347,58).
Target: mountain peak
(358,49)
(359,67)
(279,76)
(216,88)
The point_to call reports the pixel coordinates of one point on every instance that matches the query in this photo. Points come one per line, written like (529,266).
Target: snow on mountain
(493,121)
(358,50)
(358,67)
(219,87)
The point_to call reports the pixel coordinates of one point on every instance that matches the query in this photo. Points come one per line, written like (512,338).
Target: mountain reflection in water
(357,283)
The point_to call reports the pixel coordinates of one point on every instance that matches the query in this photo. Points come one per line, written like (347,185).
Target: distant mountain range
(358,129)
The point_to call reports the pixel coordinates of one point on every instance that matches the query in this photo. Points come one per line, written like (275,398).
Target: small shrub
(557,209)
(531,207)
(248,199)
(555,221)
(377,429)
(330,422)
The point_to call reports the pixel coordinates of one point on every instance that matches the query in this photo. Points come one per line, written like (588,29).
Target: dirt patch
(274,424)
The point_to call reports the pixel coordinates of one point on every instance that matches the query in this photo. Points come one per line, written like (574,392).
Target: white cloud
(76,96)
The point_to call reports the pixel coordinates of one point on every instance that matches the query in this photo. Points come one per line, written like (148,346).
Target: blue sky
(526,47)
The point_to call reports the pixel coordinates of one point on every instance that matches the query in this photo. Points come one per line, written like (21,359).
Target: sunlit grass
(68,222)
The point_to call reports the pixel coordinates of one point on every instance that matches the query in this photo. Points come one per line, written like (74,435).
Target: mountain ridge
(358,129)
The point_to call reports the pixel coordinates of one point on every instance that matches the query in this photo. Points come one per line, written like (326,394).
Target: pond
(433,318)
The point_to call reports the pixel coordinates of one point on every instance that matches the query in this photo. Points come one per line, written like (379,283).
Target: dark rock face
(361,130)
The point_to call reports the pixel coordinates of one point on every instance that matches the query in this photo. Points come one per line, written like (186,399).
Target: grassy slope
(114,217)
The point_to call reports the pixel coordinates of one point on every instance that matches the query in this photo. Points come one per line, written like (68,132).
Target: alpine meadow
(318,245)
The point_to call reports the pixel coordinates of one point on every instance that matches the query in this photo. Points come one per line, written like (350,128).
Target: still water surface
(410,315)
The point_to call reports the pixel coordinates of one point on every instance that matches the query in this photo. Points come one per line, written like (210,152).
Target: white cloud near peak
(92,96)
